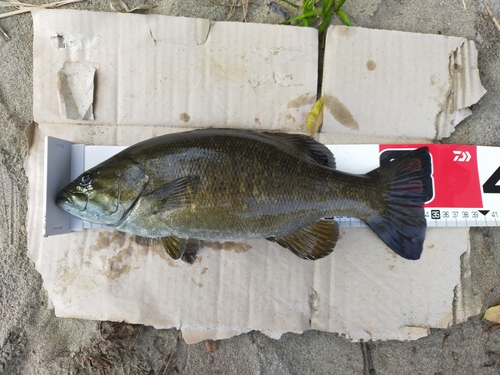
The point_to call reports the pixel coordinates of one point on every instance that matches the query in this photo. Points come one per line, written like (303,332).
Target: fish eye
(86,179)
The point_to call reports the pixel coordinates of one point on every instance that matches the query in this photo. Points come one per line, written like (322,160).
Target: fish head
(105,193)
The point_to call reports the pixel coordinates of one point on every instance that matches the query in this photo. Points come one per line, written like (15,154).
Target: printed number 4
(490,186)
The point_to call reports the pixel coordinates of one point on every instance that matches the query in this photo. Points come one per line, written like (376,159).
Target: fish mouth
(67,200)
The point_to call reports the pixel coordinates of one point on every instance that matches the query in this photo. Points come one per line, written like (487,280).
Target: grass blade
(343,15)
(291,4)
(325,23)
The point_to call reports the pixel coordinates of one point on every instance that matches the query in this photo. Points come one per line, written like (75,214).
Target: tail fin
(400,220)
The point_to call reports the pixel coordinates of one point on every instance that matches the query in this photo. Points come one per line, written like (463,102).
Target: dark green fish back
(251,184)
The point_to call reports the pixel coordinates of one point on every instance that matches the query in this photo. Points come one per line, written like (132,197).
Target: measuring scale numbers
(465,184)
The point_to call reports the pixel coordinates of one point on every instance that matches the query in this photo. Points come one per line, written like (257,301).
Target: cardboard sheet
(193,73)
(406,85)
(183,72)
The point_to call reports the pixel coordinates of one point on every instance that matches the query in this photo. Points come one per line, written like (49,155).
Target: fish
(230,185)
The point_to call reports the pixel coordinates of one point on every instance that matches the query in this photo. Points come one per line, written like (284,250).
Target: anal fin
(181,248)
(314,241)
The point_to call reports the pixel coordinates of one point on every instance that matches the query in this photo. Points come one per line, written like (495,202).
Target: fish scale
(226,184)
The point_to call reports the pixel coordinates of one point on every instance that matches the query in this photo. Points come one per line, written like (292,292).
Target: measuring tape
(465,189)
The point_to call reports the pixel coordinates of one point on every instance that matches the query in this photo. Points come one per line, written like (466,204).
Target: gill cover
(109,190)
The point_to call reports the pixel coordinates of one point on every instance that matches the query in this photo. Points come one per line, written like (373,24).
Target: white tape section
(465,192)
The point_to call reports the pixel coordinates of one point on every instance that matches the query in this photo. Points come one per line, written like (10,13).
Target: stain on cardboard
(257,120)
(314,302)
(146,241)
(199,285)
(221,71)
(184,117)
(237,247)
(346,30)
(340,112)
(126,249)
(66,276)
(302,100)
(107,238)
(119,263)
(29,132)
(371,65)
(154,245)
(458,68)
(75,41)
(204,270)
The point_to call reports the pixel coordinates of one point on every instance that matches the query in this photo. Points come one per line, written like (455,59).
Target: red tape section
(454,173)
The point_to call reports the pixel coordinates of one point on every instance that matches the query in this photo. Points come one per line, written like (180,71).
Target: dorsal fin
(306,147)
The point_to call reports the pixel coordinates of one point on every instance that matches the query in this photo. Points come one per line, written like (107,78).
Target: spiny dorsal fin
(306,147)
(314,241)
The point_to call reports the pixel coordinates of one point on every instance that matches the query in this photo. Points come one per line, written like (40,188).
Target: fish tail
(401,186)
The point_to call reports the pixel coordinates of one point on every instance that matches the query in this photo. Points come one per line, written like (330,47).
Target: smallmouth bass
(228,184)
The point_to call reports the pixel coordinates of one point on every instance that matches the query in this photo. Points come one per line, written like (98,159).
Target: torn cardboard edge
(465,89)
(253,83)
(75,89)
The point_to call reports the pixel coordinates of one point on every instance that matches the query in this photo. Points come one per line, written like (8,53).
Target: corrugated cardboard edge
(465,89)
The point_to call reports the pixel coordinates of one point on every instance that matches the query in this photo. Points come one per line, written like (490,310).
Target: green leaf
(324,24)
(309,4)
(312,13)
(327,4)
(291,4)
(343,15)
(338,5)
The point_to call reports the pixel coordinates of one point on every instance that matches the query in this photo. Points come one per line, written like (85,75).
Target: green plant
(312,12)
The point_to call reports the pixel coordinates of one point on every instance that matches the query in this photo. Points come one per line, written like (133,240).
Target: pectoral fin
(175,194)
(314,241)
(185,248)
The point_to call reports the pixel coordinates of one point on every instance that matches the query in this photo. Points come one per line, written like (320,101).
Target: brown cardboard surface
(181,78)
